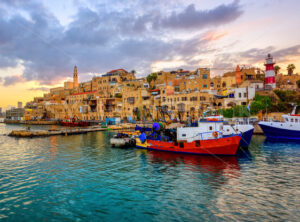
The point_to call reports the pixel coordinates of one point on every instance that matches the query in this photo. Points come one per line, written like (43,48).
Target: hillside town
(174,95)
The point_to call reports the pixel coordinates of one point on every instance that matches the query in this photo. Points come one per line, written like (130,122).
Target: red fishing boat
(219,146)
(207,139)
(73,122)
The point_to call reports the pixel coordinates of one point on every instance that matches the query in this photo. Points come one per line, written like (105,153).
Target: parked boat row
(208,136)
(211,135)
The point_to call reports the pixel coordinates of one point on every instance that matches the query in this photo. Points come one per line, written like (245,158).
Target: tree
(149,78)
(133,72)
(290,69)
(260,103)
(276,69)
(154,77)
(298,84)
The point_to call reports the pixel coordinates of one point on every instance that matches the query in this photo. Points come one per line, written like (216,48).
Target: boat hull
(74,124)
(246,138)
(278,133)
(122,142)
(220,146)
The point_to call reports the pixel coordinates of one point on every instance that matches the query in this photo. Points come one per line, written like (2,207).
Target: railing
(271,119)
(205,133)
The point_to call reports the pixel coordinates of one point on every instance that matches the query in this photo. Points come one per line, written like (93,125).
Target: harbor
(149,111)
(82,177)
(28,133)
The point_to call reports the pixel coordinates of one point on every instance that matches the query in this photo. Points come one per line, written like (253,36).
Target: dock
(44,133)
(66,131)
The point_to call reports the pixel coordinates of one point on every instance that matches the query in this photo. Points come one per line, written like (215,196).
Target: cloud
(12,80)
(44,89)
(227,61)
(286,53)
(213,35)
(193,18)
(104,38)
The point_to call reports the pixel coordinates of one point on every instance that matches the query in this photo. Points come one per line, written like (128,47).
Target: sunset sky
(41,41)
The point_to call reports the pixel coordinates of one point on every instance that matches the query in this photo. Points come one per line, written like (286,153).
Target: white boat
(289,129)
(242,127)
(122,140)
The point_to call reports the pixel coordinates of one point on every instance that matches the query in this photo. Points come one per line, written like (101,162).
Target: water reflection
(227,166)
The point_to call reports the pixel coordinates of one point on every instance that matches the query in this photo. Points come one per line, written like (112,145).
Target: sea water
(82,178)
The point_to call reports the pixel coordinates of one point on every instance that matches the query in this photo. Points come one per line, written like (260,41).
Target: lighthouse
(270,74)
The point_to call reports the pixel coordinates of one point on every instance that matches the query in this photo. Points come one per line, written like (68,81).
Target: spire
(75,77)
(238,75)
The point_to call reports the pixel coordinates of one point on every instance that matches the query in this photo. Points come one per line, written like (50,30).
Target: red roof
(76,94)
(154,90)
(116,70)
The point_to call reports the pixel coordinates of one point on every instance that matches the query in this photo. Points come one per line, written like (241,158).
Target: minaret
(238,75)
(75,78)
(270,74)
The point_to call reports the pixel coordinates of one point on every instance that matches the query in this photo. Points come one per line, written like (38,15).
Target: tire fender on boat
(215,134)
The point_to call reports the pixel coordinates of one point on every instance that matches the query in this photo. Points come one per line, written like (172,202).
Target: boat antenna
(294,109)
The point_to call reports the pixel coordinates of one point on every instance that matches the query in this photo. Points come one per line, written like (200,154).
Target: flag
(248,107)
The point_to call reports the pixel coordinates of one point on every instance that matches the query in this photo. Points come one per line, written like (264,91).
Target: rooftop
(90,92)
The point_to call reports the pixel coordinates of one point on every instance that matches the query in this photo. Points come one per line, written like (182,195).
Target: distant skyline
(41,41)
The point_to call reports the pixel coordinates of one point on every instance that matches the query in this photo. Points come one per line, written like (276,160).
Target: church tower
(238,75)
(75,77)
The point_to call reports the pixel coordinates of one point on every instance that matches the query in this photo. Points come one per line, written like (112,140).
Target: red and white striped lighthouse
(270,74)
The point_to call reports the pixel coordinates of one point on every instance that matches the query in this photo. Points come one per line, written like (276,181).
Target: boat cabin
(292,118)
(205,130)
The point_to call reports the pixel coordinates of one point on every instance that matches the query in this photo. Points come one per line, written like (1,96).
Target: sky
(42,40)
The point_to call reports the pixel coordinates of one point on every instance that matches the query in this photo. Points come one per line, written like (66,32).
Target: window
(292,120)
(204,76)
(183,135)
(210,128)
(245,95)
(296,120)
(240,95)
(164,99)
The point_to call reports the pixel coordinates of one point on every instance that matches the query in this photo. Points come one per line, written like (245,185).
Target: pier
(27,133)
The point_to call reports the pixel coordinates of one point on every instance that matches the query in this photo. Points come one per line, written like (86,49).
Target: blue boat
(289,130)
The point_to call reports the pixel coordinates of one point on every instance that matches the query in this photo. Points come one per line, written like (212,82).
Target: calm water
(81,178)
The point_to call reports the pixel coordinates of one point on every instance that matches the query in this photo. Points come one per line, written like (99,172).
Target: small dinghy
(122,140)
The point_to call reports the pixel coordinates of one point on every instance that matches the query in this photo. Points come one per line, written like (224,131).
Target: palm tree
(133,72)
(149,78)
(276,69)
(290,69)
(154,77)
